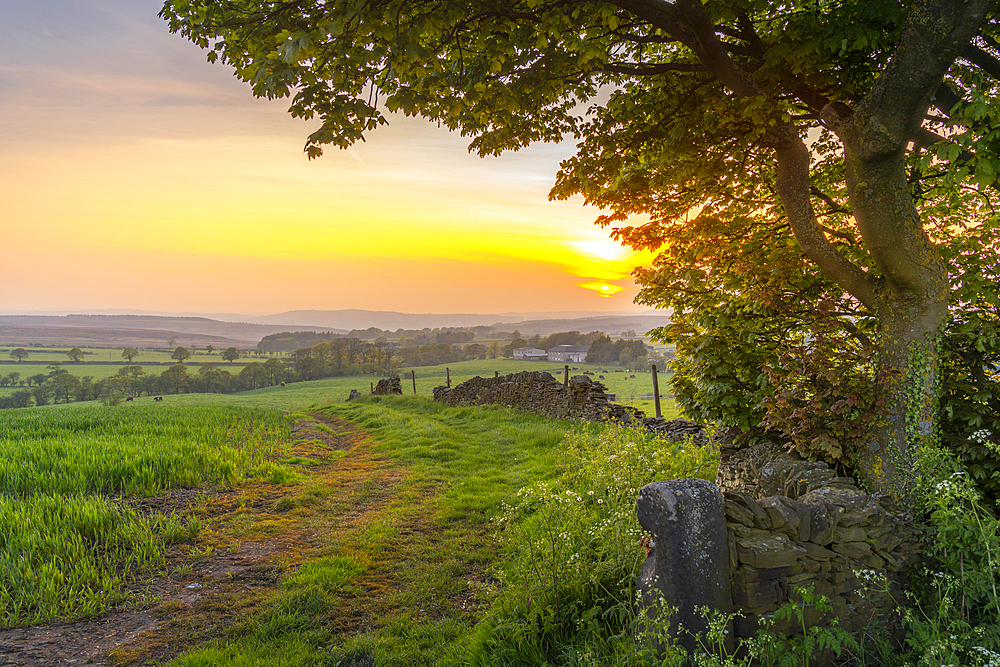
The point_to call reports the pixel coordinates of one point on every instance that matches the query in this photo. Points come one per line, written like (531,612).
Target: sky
(136,175)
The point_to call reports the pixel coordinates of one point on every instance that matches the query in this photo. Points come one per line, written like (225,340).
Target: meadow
(73,476)
(72,541)
(300,395)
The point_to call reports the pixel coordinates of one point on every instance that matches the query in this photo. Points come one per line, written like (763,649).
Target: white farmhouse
(530,354)
(575,353)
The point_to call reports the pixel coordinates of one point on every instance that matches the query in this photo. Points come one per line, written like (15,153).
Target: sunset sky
(133,174)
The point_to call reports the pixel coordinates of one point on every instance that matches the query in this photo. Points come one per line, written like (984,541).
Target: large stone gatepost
(688,566)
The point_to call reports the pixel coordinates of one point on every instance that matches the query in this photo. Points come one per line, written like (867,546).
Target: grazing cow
(282,384)
(632,376)
(600,377)
(129,398)
(157,398)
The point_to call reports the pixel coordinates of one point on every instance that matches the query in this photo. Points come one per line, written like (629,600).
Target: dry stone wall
(540,392)
(797,524)
(536,391)
(389,386)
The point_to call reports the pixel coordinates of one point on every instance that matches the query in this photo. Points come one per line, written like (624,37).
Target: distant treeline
(322,355)
(61,386)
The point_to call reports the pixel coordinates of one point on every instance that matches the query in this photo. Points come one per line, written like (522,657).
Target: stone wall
(797,524)
(389,386)
(535,391)
(794,524)
(540,392)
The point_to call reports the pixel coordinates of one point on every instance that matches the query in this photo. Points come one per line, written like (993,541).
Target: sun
(602,289)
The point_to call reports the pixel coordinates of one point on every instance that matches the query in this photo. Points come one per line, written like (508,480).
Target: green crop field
(71,541)
(50,355)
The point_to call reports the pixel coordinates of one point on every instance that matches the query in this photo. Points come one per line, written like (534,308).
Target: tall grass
(143,450)
(70,556)
(572,552)
(68,544)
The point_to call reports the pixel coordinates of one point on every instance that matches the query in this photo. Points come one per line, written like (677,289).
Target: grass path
(395,537)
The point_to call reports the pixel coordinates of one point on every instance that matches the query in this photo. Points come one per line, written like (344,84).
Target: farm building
(575,353)
(530,354)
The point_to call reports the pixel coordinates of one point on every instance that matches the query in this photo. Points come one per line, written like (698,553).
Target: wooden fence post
(656,392)
(413,374)
(447,374)
(566,376)
(373,387)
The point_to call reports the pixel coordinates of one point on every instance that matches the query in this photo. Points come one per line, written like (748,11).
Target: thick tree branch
(982,60)
(937,31)
(687,21)
(793,187)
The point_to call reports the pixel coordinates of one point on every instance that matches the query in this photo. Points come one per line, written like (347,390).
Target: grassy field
(114,354)
(81,539)
(70,544)
(302,395)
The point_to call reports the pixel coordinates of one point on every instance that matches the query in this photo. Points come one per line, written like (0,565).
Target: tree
(602,351)
(495,350)
(38,379)
(21,399)
(63,385)
(176,377)
(76,354)
(231,354)
(130,353)
(41,393)
(19,353)
(275,371)
(131,379)
(474,351)
(209,349)
(180,354)
(842,130)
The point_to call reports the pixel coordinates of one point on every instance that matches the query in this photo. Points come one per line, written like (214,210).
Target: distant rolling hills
(100,330)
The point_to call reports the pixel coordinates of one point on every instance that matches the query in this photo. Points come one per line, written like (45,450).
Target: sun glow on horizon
(603,289)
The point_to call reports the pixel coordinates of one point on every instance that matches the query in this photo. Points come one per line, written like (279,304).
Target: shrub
(572,549)
(970,398)
(826,397)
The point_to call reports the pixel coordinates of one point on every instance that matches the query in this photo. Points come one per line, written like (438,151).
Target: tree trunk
(909,353)
(909,298)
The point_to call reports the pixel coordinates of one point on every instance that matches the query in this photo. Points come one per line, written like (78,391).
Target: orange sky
(133,174)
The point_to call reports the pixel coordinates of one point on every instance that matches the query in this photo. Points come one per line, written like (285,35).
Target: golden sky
(133,174)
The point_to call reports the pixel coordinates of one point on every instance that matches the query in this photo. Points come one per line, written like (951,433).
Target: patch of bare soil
(200,593)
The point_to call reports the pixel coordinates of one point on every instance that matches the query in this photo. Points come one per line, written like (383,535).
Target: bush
(826,398)
(970,398)
(573,552)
